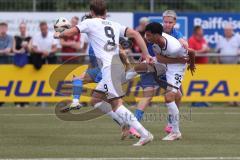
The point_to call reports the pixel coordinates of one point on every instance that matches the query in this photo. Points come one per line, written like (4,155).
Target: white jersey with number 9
(104,37)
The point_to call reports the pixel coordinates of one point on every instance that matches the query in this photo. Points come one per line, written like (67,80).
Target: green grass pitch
(37,133)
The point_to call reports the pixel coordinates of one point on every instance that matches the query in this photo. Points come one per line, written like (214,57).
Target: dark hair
(196,28)
(43,23)
(86,16)
(99,7)
(154,28)
(3,24)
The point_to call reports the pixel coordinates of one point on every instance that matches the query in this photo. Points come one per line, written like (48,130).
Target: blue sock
(139,114)
(77,88)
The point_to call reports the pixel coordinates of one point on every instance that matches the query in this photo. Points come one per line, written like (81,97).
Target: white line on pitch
(52,114)
(25,114)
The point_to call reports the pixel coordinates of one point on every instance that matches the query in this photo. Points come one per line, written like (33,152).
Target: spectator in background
(141,29)
(21,49)
(143,22)
(5,46)
(199,44)
(44,47)
(73,44)
(6,42)
(229,44)
(21,46)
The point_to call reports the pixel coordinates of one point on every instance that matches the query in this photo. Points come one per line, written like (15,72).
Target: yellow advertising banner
(52,83)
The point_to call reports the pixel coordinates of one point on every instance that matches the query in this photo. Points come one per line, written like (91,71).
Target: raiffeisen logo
(216,22)
(213,27)
(212,38)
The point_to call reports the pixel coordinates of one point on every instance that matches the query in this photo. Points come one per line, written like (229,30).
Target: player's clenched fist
(149,59)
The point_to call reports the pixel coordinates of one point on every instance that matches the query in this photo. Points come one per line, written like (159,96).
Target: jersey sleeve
(178,35)
(84,38)
(83,27)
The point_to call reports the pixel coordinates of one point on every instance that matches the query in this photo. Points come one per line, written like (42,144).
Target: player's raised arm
(141,43)
(67,33)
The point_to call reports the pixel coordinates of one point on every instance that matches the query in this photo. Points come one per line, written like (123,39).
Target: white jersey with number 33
(104,37)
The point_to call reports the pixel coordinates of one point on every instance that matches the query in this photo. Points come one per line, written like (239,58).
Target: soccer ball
(61,24)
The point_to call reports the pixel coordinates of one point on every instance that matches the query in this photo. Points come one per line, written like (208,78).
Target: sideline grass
(37,133)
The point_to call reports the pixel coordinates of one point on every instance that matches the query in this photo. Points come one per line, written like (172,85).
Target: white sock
(173,110)
(106,108)
(115,117)
(131,120)
(75,100)
(130,74)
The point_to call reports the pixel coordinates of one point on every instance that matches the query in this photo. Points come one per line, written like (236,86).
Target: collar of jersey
(165,48)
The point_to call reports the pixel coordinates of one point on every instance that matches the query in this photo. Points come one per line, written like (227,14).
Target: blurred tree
(123,5)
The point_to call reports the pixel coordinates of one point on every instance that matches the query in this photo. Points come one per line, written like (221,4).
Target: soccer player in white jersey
(104,38)
(168,46)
